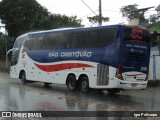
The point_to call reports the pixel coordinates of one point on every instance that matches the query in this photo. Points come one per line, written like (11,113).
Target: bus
(112,58)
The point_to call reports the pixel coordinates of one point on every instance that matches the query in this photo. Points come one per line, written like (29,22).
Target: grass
(155,27)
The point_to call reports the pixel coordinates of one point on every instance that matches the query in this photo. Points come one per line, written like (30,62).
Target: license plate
(134,84)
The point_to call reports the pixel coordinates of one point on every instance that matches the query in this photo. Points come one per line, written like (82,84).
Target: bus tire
(71,82)
(84,84)
(23,78)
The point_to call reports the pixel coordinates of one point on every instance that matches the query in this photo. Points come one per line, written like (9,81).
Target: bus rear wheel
(71,82)
(23,78)
(84,84)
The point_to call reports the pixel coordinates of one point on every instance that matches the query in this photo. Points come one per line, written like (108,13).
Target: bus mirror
(13,49)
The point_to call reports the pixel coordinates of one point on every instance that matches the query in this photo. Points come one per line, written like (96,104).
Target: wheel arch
(20,73)
(83,75)
(83,83)
(68,76)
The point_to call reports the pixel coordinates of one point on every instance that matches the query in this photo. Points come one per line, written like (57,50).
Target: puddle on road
(33,97)
(41,93)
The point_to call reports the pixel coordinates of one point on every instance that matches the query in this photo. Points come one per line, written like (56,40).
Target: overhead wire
(87,15)
(97,10)
(88,7)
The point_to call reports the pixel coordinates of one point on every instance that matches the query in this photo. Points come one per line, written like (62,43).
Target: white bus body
(75,65)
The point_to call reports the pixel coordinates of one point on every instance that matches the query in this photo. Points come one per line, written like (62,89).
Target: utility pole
(100,13)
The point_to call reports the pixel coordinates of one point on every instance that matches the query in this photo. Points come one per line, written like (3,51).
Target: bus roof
(70,29)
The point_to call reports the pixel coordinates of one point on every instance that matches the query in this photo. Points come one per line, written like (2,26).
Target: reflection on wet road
(34,97)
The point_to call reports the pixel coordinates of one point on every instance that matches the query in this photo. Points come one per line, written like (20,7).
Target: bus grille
(102,74)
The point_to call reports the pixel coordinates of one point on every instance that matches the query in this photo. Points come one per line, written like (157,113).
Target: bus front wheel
(23,78)
(84,84)
(71,82)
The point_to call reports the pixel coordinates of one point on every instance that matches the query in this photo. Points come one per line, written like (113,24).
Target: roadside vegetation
(155,27)
(25,16)
(28,15)
(3,67)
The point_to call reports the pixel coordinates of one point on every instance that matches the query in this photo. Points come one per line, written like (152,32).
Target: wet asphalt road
(34,97)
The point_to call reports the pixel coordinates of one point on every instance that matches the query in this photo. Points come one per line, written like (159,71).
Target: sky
(110,8)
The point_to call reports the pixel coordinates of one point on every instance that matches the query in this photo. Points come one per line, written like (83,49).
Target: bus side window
(93,39)
(106,36)
(76,40)
(29,44)
(54,41)
(46,43)
(26,45)
(33,43)
(50,42)
(37,42)
(82,39)
(57,41)
(69,41)
(63,40)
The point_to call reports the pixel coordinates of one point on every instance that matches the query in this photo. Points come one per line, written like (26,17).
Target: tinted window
(33,43)
(58,41)
(106,36)
(18,43)
(94,38)
(136,34)
(15,53)
(79,39)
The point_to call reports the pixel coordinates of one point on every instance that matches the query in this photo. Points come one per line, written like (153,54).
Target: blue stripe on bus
(72,29)
(105,56)
(113,55)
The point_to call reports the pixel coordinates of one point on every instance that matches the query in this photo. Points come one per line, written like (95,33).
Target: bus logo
(23,55)
(136,33)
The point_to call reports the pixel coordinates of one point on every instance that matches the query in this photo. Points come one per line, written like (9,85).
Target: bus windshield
(136,49)
(135,34)
(15,54)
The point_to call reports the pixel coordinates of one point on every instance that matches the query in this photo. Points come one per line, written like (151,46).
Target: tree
(127,11)
(2,45)
(95,19)
(153,18)
(59,21)
(131,12)
(21,16)
(5,44)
